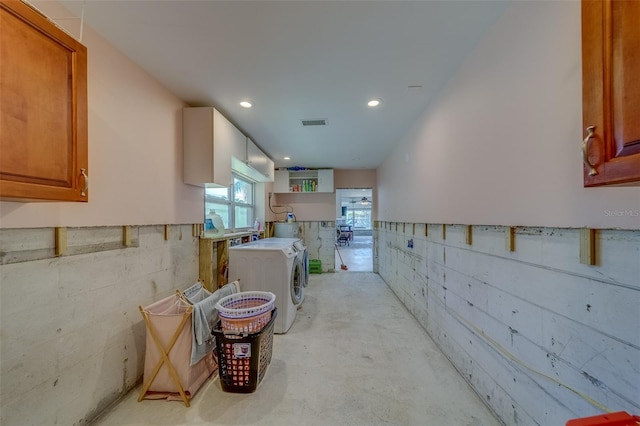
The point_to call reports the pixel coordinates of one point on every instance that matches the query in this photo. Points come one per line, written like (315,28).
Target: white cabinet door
(285,179)
(239,144)
(207,145)
(325,180)
(259,160)
(281,181)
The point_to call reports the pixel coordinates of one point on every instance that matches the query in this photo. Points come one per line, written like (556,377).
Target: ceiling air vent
(315,122)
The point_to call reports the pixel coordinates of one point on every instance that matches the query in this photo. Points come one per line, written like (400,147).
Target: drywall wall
(321,206)
(319,239)
(73,339)
(501,144)
(306,206)
(360,178)
(539,336)
(135,148)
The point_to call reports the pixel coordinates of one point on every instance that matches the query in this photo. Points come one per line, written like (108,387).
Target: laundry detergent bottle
(213,225)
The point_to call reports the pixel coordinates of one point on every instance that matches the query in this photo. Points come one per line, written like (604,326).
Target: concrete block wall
(539,336)
(319,238)
(72,337)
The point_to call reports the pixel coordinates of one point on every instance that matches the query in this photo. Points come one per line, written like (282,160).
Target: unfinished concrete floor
(358,255)
(354,356)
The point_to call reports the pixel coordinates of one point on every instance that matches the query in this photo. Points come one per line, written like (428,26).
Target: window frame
(231,204)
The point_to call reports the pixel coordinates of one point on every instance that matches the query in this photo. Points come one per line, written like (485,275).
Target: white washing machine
(275,265)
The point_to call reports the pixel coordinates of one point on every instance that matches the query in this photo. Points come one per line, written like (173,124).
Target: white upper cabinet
(214,148)
(208,140)
(281,181)
(256,165)
(259,161)
(310,180)
(325,180)
(239,147)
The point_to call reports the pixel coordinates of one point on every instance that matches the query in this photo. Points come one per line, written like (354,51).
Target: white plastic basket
(246,304)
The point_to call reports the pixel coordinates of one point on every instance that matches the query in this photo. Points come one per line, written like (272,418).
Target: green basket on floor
(315,266)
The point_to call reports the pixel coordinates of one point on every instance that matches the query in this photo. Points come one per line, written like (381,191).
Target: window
(359,218)
(234,204)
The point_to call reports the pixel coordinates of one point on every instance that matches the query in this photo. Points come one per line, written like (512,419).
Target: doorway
(354,229)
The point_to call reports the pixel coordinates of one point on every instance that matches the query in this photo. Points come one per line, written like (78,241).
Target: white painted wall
(315,206)
(135,149)
(537,334)
(540,337)
(72,335)
(73,339)
(501,144)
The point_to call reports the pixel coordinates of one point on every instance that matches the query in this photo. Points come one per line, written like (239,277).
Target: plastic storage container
(243,358)
(315,266)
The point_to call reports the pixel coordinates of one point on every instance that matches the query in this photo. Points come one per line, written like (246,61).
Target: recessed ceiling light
(245,104)
(286,158)
(374,103)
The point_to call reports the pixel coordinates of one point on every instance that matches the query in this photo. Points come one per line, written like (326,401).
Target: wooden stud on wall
(468,235)
(444,231)
(426,229)
(126,236)
(414,230)
(510,238)
(222,253)
(61,241)
(588,246)
(166,232)
(207,274)
(403,227)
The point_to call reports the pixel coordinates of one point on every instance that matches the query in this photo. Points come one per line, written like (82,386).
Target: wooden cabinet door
(611,91)
(43,109)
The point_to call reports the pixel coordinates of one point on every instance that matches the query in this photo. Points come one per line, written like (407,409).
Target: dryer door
(297,277)
(305,266)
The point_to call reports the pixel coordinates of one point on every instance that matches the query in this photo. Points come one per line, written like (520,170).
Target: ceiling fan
(364,201)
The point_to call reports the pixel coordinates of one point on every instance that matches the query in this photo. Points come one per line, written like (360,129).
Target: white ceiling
(298,60)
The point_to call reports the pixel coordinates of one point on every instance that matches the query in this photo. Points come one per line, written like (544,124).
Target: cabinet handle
(83,172)
(585,151)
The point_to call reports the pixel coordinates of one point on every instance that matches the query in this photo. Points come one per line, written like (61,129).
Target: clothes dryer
(271,264)
(303,258)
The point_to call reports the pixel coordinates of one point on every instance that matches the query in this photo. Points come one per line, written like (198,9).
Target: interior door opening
(354,230)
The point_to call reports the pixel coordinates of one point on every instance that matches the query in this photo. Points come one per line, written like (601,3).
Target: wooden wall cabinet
(611,91)
(43,109)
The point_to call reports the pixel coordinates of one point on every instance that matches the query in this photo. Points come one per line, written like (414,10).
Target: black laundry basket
(243,358)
